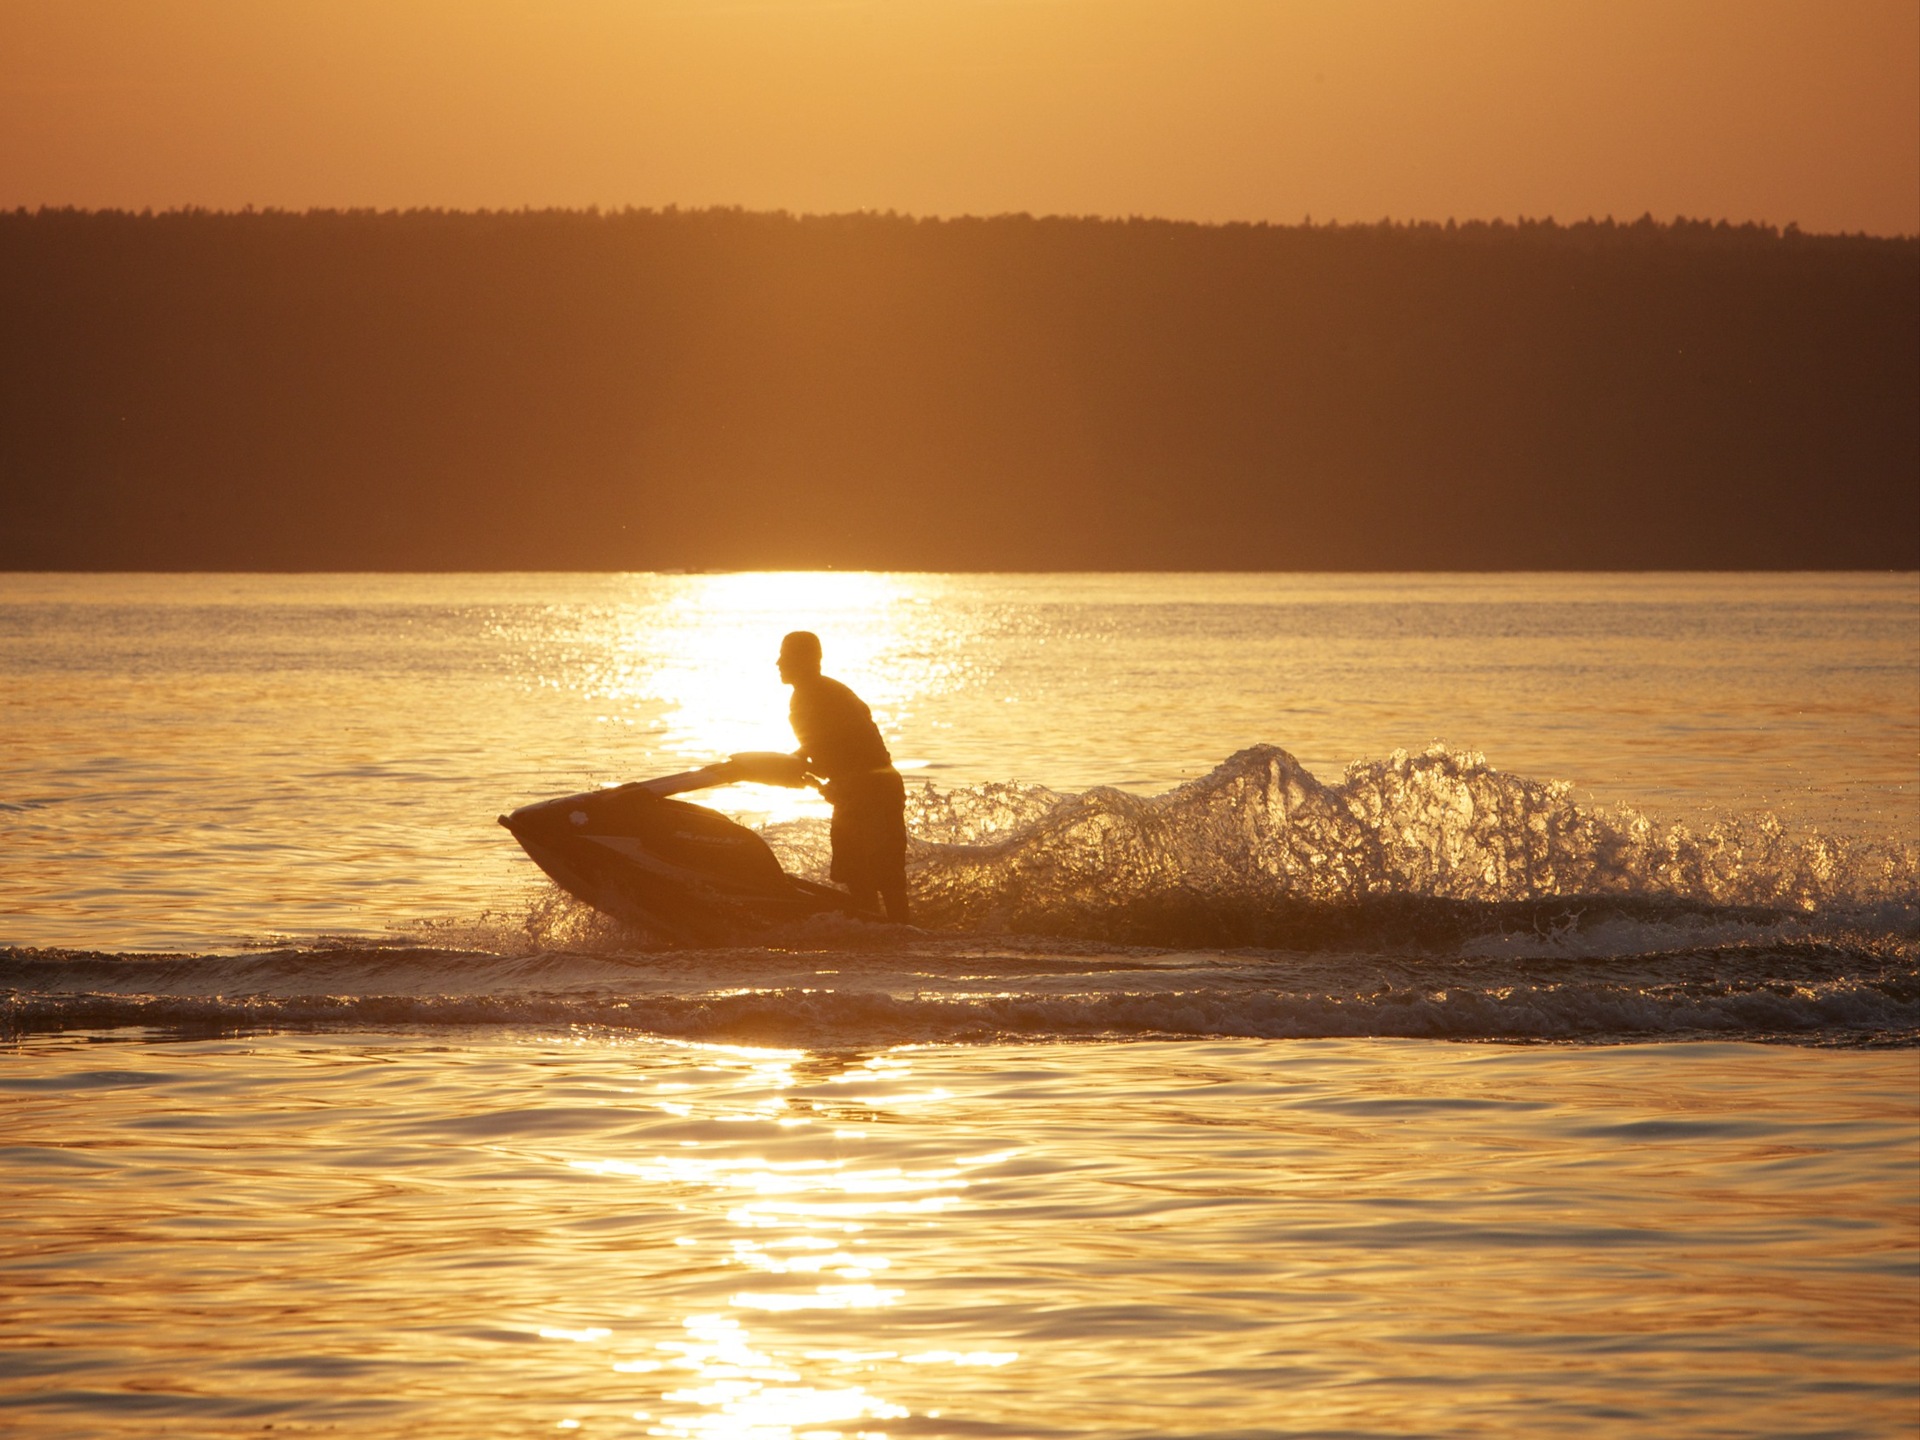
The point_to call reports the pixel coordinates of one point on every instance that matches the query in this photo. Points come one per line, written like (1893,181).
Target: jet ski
(673,867)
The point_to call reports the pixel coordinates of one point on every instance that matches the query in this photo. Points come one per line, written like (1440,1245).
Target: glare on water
(700,659)
(626,1237)
(468,1232)
(196,759)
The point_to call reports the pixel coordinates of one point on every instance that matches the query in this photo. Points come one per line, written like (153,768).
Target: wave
(1735,981)
(1424,895)
(1259,852)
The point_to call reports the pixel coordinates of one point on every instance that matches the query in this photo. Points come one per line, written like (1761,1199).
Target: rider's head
(799,656)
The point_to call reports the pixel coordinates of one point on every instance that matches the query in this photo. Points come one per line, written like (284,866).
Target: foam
(1259,834)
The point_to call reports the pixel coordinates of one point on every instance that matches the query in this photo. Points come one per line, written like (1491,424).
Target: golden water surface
(196,760)
(514,1234)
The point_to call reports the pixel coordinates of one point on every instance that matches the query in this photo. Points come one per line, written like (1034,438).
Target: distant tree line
(681,389)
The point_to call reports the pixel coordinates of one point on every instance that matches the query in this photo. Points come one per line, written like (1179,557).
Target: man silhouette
(840,743)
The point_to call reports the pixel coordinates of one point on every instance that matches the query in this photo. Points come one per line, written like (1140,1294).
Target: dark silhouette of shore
(649,390)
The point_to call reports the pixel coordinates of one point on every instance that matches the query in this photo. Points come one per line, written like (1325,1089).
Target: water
(325,1111)
(194,762)
(503,1233)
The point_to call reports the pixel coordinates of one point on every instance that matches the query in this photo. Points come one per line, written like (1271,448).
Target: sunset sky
(1803,111)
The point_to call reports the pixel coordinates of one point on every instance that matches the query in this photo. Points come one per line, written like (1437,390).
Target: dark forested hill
(692,389)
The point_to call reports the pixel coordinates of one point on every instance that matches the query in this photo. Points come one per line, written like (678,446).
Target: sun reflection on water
(688,663)
(809,1225)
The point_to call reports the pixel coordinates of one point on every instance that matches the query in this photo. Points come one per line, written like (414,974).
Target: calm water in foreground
(504,1233)
(325,1113)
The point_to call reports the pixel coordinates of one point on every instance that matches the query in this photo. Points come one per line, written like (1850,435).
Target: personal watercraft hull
(676,868)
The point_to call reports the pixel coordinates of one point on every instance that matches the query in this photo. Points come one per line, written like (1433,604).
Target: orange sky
(1774,110)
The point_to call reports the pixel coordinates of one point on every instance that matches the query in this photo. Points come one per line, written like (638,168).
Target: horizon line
(1646,220)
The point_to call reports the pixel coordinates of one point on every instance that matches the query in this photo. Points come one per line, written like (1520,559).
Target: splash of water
(1424,851)
(1441,831)
(1425,895)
